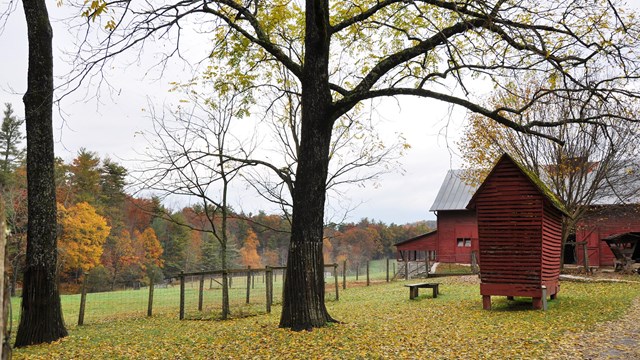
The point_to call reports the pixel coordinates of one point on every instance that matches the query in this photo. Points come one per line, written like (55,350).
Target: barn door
(594,255)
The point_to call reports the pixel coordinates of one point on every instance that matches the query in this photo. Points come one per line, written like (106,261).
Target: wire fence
(251,292)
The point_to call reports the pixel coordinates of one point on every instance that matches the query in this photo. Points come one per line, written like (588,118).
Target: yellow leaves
(82,236)
(111,25)
(379,322)
(95,9)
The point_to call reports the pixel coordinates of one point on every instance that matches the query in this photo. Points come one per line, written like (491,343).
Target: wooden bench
(413,289)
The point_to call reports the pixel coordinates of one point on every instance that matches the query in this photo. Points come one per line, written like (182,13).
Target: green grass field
(376,322)
(127,304)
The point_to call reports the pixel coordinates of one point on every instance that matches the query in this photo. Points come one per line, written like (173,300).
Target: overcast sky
(111,127)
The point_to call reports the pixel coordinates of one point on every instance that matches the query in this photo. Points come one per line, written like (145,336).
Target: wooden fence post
(474,262)
(368,273)
(335,278)
(357,270)
(83,301)
(406,267)
(150,303)
(387,269)
(269,284)
(586,257)
(201,292)
(248,283)
(181,295)
(426,263)
(344,274)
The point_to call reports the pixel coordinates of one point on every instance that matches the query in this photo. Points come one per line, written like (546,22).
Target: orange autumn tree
(83,234)
(151,250)
(118,255)
(249,251)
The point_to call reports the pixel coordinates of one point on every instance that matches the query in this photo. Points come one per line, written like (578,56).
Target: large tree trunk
(303,303)
(41,316)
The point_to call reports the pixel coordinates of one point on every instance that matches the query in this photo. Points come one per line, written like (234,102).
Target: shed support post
(537,303)
(486,302)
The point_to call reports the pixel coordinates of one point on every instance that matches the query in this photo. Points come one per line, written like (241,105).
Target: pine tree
(10,138)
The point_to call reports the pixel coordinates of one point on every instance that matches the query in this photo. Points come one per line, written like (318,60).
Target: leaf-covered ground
(378,322)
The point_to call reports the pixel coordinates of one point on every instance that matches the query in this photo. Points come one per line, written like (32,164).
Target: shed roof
(454,193)
(422,236)
(535,180)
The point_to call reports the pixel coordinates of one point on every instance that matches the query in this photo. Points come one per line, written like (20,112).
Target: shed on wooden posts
(519,234)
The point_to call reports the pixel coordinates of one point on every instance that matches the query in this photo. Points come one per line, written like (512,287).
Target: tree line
(117,239)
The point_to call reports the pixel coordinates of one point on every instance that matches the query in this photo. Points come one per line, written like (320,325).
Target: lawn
(377,322)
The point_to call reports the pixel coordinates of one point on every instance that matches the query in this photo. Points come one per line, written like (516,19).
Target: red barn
(457,231)
(519,234)
(600,222)
(456,236)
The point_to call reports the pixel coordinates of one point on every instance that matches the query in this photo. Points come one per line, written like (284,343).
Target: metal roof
(454,193)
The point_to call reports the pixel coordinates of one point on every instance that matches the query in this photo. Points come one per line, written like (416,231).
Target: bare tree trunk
(303,303)
(41,316)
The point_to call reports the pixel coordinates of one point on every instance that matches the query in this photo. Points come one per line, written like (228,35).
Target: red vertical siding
(603,221)
(454,224)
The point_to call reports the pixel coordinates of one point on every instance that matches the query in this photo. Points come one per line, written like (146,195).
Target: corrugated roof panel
(454,194)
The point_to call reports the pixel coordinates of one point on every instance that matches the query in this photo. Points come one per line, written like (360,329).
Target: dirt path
(617,339)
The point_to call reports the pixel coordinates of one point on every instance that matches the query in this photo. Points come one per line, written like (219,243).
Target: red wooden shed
(519,234)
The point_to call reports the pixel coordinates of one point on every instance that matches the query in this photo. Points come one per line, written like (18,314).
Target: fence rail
(198,295)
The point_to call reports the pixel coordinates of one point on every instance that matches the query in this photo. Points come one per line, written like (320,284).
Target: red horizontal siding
(519,235)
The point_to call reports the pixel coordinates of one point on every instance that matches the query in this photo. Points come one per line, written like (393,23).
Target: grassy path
(615,339)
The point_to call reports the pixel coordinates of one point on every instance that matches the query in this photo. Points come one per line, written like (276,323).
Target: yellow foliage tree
(83,234)
(327,250)
(249,252)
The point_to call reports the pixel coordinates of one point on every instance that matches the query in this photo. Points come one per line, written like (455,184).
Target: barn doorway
(570,250)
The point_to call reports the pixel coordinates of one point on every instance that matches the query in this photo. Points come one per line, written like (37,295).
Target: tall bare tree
(344,52)
(193,156)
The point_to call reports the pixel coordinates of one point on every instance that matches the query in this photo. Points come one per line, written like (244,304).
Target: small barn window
(464,242)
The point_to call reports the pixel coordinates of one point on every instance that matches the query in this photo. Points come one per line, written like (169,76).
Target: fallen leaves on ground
(377,322)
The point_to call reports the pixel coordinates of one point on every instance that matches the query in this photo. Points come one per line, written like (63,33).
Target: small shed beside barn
(519,234)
